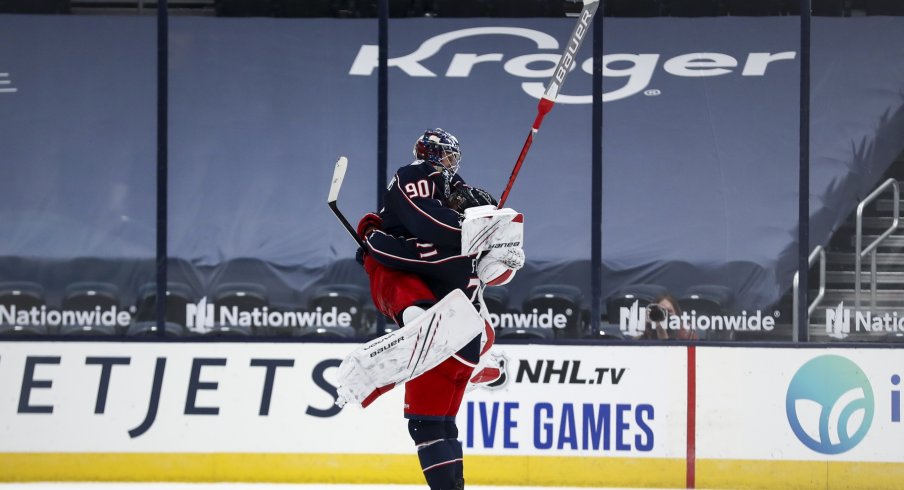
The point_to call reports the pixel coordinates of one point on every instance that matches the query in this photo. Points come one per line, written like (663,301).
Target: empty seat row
(234,308)
(332,310)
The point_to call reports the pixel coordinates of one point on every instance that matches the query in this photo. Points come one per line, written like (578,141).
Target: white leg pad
(375,367)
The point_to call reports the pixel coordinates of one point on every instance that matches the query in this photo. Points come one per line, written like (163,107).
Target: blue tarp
(701,145)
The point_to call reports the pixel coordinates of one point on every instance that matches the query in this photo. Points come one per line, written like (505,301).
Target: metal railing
(871,248)
(820,253)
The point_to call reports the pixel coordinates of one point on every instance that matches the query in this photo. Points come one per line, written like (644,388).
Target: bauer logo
(830,404)
(534,69)
(202,316)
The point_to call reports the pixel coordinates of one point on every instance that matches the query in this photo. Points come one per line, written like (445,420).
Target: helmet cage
(439,148)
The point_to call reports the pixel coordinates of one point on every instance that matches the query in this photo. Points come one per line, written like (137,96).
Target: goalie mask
(439,148)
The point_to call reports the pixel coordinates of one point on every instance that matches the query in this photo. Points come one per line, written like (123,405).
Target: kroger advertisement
(278,398)
(800,404)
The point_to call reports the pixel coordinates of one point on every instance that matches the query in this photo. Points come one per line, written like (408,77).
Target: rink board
(568,415)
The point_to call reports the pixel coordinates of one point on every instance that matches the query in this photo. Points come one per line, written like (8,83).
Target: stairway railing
(871,248)
(819,253)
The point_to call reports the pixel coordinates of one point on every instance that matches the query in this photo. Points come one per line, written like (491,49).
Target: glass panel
(700,174)
(477,70)
(260,110)
(77,119)
(856,156)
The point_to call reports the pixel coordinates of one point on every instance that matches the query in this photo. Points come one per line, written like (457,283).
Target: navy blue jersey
(415,206)
(420,234)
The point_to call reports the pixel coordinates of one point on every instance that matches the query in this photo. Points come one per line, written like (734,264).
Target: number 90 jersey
(415,206)
(420,234)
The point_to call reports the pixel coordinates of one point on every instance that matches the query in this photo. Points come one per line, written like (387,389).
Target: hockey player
(413,257)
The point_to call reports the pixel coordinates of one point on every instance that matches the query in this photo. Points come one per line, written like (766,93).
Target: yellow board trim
(481,470)
(792,475)
(337,468)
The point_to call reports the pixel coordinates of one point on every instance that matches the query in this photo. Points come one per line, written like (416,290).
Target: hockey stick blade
(566,61)
(338,177)
(335,185)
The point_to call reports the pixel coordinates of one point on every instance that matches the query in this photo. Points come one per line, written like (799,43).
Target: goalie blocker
(402,355)
(498,235)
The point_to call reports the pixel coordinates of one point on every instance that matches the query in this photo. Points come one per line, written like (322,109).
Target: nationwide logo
(633,321)
(533,319)
(838,322)
(109,317)
(637,69)
(830,404)
(202,316)
(6,84)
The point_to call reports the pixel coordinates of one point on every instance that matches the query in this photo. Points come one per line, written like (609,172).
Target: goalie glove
(465,196)
(487,228)
(498,266)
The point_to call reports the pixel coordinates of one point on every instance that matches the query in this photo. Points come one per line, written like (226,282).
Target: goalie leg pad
(410,351)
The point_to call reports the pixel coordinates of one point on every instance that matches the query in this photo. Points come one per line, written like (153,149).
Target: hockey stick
(338,177)
(555,83)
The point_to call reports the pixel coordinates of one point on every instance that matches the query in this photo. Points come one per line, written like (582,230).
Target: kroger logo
(830,404)
(636,69)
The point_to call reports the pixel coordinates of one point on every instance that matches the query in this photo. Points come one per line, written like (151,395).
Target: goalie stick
(338,177)
(554,85)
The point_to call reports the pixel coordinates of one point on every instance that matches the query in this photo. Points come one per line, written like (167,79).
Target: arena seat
(87,296)
(708,299)
(496,299)
(178,297)
(634,8)
(34,7)
(829,8)
(23,296)
(692,8)
(245,297)
(149,329)
(347,298)
(308,8)
(244,8)
(625,297)
(335,332)
(604,332)
(525,333)
(753,8)
(559,299)
(460,8)
(884,7)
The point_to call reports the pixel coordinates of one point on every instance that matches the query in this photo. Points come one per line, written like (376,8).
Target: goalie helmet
(440,148)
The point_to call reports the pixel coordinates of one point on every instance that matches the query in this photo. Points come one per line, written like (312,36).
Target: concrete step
(871,222)
(884,297)
(883,278)
(886,204)
(846,260)
(891,242)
